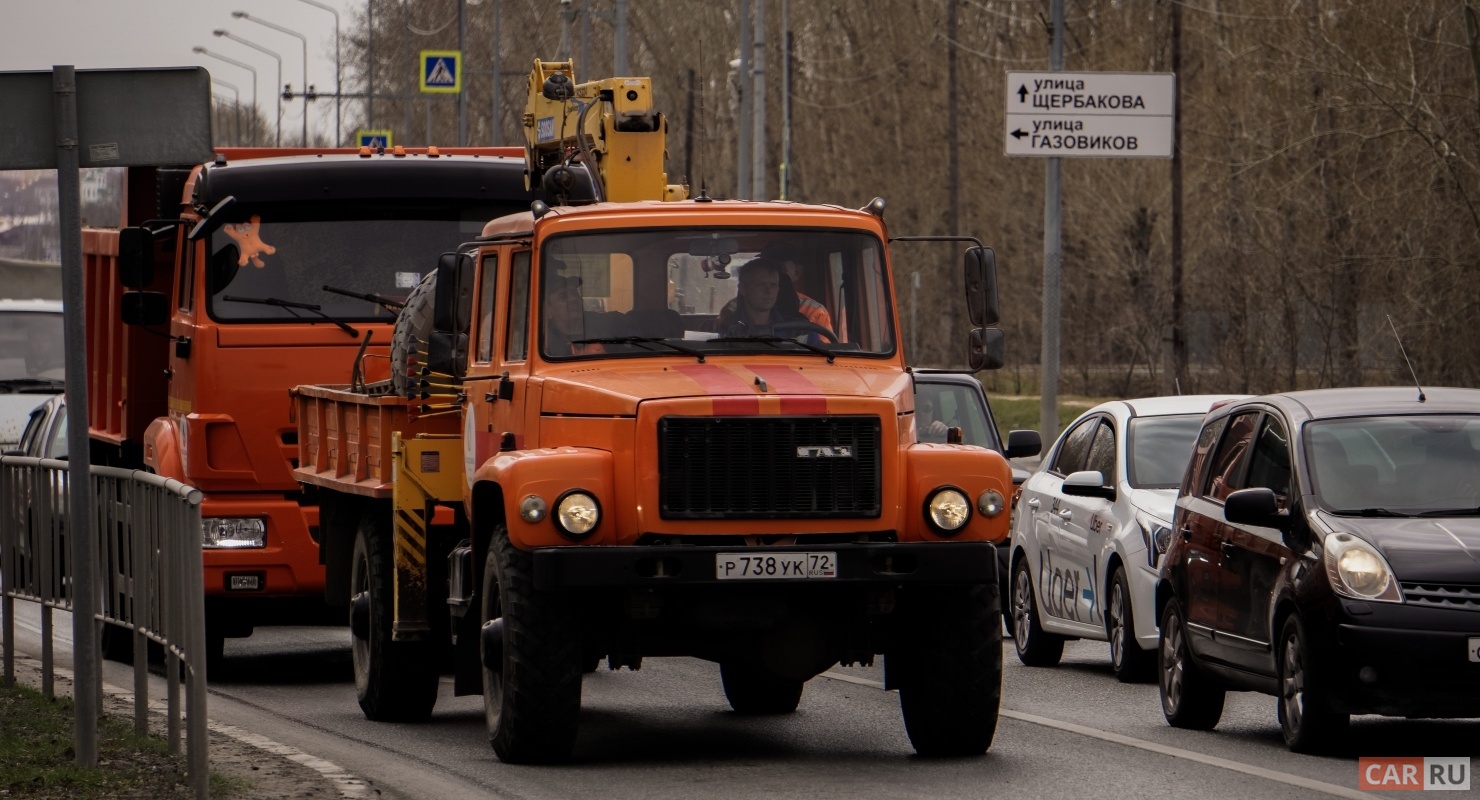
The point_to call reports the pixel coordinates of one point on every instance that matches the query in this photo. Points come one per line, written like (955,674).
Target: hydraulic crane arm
(610,125)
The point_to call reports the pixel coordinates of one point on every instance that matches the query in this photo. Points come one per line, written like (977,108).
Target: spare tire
(413,329)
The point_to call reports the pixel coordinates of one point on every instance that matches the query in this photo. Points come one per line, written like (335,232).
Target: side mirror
(986,348)
(1022,444)
(214,219)
(145,308)
(981,287)
(447,353)
(453,308)
(1255,507)
(1088,483)
(135,257)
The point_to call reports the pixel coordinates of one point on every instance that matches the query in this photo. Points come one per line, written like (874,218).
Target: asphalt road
(667,732)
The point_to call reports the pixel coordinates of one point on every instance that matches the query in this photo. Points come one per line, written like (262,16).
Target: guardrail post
(52,557)
(195,638)
(139,523)
(9,531)
(173,624)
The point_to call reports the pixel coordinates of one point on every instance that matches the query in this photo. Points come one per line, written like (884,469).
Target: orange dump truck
(228,284)
(680,428)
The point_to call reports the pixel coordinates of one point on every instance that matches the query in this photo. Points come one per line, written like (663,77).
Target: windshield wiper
(688,351)
(374,298)
(775,340)
(290,305)
(1450,512)
(1369,512)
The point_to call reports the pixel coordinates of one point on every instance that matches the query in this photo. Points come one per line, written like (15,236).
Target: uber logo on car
(824,451)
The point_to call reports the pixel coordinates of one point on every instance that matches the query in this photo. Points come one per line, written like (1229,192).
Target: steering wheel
(741,328)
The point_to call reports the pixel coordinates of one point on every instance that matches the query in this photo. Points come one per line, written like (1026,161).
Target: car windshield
(1157,450)
(714,291)
(31,347)
(290,253)
(953,405)
(1399,465)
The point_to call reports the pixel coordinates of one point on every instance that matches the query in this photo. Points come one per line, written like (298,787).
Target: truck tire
(532,690)
(394,681)
(752,690)
(951,697)
(413,324)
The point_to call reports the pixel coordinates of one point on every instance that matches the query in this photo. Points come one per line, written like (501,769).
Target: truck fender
(549,473)
(162,449)
(972,470)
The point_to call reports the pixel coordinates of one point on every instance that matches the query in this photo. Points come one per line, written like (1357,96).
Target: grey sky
(93,34)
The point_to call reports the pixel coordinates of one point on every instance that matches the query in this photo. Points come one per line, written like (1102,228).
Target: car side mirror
(1022,444)
(145,308)
(1088,483)
(135,257)
(453,306)
(986,348)
(982,306)
(1256,507)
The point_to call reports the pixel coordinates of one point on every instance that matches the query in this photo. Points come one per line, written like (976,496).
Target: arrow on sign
(1023,93)
(1019,133)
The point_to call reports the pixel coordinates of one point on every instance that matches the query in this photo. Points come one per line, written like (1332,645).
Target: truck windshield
(31,348)
(290,253)
(714,292)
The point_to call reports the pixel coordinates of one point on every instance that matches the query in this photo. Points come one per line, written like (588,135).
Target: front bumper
(883,563)
(1406,661)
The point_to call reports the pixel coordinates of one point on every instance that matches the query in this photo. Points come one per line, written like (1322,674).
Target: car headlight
(228,533)
(948,510)
(1358,571)
(576,513)
(1157,534)
(990,503)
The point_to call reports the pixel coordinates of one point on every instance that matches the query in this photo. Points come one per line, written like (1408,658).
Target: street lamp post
(249,68)
(304,39)
(338,85)
(236,103)
(233,37)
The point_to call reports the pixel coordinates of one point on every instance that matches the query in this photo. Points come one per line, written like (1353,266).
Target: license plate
(1475,648)
(775,566)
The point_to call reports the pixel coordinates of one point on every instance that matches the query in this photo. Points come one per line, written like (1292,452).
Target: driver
(759,302)
(789,258)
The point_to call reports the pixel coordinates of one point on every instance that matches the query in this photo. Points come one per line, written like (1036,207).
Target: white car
(31,362)
(1091,526)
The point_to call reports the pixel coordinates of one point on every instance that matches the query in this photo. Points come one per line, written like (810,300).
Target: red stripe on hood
(721,383)
(789,382)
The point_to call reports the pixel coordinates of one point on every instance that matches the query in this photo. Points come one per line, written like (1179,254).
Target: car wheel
(1034,646)
(1131,663)
(1189,698)
(1306,718)
(752,690)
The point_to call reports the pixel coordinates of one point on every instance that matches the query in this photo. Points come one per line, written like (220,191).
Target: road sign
(441,71)
(372,139)
(1090,114)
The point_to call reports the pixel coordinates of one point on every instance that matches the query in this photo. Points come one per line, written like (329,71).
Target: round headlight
(532,508)
(948,510)
(577,513)
(990,503)
(1363,571)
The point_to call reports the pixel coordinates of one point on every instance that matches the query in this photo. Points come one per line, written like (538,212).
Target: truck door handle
(1186,531)
(1034,502)
(1227,547)
(1066,514)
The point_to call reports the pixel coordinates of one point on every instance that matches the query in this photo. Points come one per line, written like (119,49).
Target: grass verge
(1021,413)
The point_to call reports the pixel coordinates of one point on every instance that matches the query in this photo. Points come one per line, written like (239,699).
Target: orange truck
(665,427)
(227,284)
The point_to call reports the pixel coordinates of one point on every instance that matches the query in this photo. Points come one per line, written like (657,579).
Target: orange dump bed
(344,437)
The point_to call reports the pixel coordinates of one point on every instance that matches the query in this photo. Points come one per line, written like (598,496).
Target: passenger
(760,302)
(927,427)
(565,318)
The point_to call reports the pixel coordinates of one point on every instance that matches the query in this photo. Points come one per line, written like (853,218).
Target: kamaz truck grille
(768,467)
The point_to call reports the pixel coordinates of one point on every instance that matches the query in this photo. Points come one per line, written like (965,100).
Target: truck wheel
(1035,647)
(1130,662)
(951,696)
(394,681)
(413,324)
(532,669)
(752,690)
(1189,698)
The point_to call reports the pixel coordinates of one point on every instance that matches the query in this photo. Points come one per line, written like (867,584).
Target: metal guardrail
(146,531)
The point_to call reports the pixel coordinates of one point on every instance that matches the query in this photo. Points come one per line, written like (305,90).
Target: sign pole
(1053,262)
(79,482)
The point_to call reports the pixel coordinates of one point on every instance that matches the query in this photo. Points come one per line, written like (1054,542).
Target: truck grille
(768,467)
(1442,595)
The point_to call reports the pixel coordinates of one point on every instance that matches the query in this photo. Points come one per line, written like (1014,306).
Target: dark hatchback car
(1326,550)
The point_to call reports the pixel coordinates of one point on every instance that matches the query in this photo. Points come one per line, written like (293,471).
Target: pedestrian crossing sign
(372,139)
(441,71)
